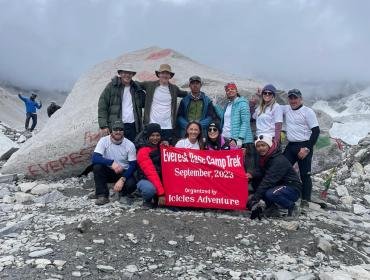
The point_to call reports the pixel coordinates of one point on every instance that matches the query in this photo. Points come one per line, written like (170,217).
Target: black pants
(291,153)
(130,131)
(34,121)
(103,175)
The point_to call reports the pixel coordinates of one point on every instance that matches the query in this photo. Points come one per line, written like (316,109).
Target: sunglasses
(259,137)
(211,129)
(117,129)
(267,93)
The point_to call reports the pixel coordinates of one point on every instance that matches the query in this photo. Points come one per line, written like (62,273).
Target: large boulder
(63,147)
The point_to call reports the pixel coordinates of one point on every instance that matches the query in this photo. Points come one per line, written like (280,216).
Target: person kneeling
(114,161)
(149,172)
(279,184)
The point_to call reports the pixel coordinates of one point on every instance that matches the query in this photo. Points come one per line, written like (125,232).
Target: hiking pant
(283,196)
(104,175)
(130,131)
(34,121)
(291,153)
(146,189)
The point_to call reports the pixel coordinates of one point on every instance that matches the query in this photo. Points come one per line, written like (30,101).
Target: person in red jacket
(149,172)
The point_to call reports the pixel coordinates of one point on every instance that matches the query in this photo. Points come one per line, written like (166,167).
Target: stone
(84,225)
(290,225)
(59,264)
(40,253)
(42,263)
(366,187)
(21,197)
(172,242)
(357,170)
(132,237)
(324,245)
(19,226)
(40,189)
(27,187)
(8,199)
(6,260)
(335,275)
(235,274)
(306,277)
(21,139)
(189,238)
(358,209)
(8,178)
(79,254)
(4,192)
(342,191)
(98,241)
(366,200)
(76,274)
(57,236)
(283,275)
(7,147)
(105,268)
(131,268)
(367,169)
(52,197)
(360,155)
(347,201)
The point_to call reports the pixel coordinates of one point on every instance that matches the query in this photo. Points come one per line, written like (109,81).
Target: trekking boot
(304,204)
(147,205)
(92,195)
(293,211)
(271,212)
(102,200)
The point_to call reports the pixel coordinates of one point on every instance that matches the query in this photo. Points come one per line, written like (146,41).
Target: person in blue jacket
(31,106)
(196,106)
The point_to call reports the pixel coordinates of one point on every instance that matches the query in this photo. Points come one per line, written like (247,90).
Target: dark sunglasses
(117,129)
(212,129)
(267,93)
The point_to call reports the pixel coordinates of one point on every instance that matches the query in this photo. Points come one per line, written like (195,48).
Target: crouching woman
(278,184)
(149,162)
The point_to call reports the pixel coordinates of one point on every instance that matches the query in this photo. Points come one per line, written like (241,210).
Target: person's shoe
(102,200)
(293,211)
(304,204)
(147,205)
(271,212)
(92,195)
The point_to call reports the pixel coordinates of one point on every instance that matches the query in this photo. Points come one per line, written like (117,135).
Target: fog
(49,44)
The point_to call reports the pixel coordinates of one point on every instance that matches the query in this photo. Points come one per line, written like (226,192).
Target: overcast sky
(50,43)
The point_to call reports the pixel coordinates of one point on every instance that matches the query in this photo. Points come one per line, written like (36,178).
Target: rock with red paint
(64,145)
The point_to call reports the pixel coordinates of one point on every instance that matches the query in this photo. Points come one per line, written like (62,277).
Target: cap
(195,79)
(118,124)
(295,92)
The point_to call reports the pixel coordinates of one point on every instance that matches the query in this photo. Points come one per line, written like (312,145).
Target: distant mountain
(351,116)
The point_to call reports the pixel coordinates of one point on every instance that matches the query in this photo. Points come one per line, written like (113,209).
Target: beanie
(269,87)
(264,138)
(153,127)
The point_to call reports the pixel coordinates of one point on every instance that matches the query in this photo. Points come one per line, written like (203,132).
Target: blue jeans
(146,189)
(283,196)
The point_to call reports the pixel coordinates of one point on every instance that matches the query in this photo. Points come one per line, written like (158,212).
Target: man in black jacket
(278,184)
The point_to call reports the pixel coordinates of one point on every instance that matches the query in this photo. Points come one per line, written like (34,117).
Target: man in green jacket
(122,99)
(161,102)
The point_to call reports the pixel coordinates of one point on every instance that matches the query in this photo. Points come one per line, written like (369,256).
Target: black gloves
(256,207)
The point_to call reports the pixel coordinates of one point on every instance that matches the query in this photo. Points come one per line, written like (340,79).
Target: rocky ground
(50,230)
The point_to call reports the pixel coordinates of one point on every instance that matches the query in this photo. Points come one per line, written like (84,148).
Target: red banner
(204,179)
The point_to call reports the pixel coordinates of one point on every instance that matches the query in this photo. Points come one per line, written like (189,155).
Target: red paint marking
(55,165)
(91,137)
(160,54)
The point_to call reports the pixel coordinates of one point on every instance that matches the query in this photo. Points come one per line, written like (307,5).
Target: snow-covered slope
(351,116)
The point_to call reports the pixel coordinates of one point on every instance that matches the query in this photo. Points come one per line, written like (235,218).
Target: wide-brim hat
(164,68)
(126,67)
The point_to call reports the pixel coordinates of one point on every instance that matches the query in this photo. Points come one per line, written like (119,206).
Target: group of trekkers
(135,118)
(31,106)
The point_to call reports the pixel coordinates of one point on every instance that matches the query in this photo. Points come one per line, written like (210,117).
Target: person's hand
(303,152)
(118,186)
(161,200)
(116,167)
(232,143)
(165,143)
(259,91)
(249,175)
(239,143)
(104,131)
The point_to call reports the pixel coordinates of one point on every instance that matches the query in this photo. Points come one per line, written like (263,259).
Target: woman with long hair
(216,141)
(269,115)
(193,137)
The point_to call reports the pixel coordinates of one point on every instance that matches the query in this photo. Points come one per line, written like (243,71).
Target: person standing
(303,131)
(114,161)
(269,114)
(196,106)
(161,102)
(31,106)
(122,99)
